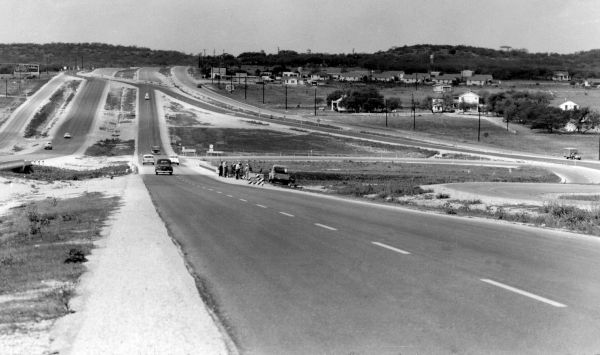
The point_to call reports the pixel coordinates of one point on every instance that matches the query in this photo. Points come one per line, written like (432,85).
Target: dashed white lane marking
(524,293)
(324,226)
(229,196)
(241,199)
(391,248)
(287,214)
(210,190)
(261,206)
(219,192)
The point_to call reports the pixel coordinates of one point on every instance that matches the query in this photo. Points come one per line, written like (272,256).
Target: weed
(442,195)
(449,209)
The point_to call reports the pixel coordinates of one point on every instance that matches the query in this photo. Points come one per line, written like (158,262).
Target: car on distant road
(147,97)
(155,149)
(162,165)
(280,174)
(147,159)
(67,135)
(48,146)
(174,159)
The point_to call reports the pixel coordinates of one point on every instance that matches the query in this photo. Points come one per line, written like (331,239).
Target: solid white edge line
(524,293)
(324,226)
(287,214)
(391,248)
(261,206)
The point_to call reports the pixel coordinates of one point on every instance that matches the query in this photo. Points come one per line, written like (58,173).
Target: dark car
(163,166)
(155,149)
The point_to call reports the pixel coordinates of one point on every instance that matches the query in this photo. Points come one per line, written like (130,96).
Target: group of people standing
(237,170)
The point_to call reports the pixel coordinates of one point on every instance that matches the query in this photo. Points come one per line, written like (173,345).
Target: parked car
(174,159)
(48,146)
(147,96)
(280,174)
(155,149)
(67,135)
(147,159)
(162,165)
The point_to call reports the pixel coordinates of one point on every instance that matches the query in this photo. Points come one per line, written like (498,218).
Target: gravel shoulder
(138,297)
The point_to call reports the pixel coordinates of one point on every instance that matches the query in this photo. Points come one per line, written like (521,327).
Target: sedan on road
(67,135)
(147,159)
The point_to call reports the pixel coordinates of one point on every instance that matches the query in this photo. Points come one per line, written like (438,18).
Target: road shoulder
(138,296)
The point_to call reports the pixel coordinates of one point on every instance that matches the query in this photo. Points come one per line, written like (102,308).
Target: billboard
(27,70)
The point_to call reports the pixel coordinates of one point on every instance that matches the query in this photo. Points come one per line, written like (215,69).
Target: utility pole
(386,111)
(413,110)
(479,126)
(6,87)
(245,86)
(315,100)
(81,62)
(285,97)
(263,85)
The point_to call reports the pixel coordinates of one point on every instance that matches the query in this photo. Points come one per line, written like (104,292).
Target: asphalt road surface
(295,274)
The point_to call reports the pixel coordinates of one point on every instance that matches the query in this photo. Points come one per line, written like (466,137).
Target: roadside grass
(260,141)
(166,71)
(49,173)
(129,100)
(580,197)
(111,147)
(37,271)
(126,73)
(402,179)
(60,98)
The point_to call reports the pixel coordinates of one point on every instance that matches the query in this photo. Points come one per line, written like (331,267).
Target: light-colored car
(174,159)
(280,174)
(147,96)
(67,135)
(147,159)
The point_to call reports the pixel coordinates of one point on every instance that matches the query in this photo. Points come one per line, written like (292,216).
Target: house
(415,78)
(354,75)
(446,79)
(217,72)
(336,105)
(319,76)
(437,105)
(442,88)
(292,80)
(469,98)
(388,76)
(291,74)
(333,72)
(568,106)
(479,80)
(466,73)
(561,76)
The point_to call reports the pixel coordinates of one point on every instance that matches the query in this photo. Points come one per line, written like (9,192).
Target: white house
(335,105)
(469,97)
(568,106)
(292,80)
(290,74)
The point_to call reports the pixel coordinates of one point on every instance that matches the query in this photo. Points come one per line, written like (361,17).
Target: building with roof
(568,106)
(561,76)
(479,80)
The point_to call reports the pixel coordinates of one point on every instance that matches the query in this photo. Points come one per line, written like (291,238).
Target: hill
(58,55)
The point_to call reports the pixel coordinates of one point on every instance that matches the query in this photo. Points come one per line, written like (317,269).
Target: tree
(584,119)
(364,99)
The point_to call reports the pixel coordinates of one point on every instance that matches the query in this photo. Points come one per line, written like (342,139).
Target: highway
(294,273)
(298,274)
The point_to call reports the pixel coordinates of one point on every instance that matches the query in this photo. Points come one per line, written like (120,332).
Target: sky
(326,26)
